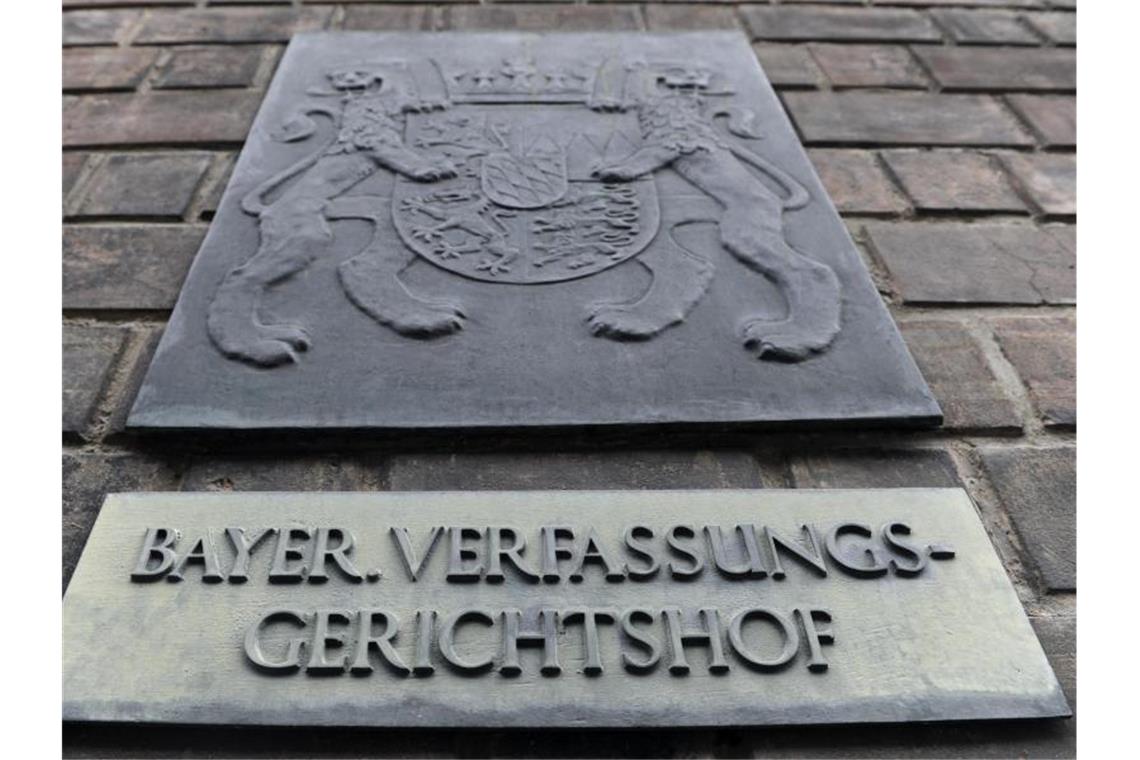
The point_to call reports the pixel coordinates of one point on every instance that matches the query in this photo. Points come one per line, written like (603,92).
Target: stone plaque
(541,609)
(508,230)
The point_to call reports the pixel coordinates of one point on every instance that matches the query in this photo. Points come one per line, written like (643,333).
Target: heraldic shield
(524,206)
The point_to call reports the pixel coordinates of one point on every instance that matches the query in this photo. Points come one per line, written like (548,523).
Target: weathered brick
(953,180)
(820,23)
(88,478)
(97,27)
(974,3)
(105,68)
(1053,118)
(230,66)
(73,164)
(954,365)
(969,27)
(856,183)
(1059,28)
(126,266)
(975,263)
(89,355)
(275,473)
(230,25)
(909,118)
(143,341)
(1044,352)
(788,65)
(143,184)
(1050,179)
(162,118)
(530,17)
(389,17)
(218,187)
(869,65)
(683,17)
(617,469)
(122,3)
(912,468)
(1038,488)
(963,68)
(1058,637)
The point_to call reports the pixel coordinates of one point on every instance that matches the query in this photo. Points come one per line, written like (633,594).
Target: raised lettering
(291,663)
(157,545)
(244,547)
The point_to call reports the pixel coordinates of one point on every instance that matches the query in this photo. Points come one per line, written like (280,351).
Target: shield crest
(524,207)
(532,177)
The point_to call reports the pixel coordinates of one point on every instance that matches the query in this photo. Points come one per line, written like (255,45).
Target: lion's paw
(782,341)
(622,323)
(264,345)
(433,171)
(428,320)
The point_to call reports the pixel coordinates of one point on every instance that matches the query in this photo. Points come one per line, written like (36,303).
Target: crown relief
(519,75)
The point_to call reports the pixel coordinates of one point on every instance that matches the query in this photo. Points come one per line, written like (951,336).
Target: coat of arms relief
(524,174)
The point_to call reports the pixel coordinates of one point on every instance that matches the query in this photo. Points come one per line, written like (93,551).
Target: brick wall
(945,133)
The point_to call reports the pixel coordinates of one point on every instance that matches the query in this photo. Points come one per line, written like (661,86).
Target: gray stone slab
(526,230)
(896,608)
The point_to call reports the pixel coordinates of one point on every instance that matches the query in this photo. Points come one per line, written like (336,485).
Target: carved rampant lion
(677,132)
(294,227)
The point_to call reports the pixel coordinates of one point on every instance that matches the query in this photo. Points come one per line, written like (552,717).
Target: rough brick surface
(89,355)
(234,66)
(88,478)
(664,18)
(532,17)
(230,25)
(971,27)
(1058,637)
(134,363)
(73,164)
(954,365)
(1053,118)
(856,182)
(889,118)
(281,472)
(126,266)
(788,65)
(163,118)
(1059,28)
(213,196)
(91,69)
(1050,180)
(962,68)
(143,184)
(927,468)
(869,66)
(873,25)
(388,17)
(627,469)
(953,180)
(1038,488)
(975,263)
(97,27)
(1044,353)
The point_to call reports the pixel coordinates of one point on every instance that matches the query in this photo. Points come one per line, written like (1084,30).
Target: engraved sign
(544,609)
(521,230)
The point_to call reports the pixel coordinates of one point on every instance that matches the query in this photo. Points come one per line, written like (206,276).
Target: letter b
(156,545)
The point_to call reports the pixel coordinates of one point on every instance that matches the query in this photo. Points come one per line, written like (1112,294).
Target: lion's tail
(798,196)
(254,201)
